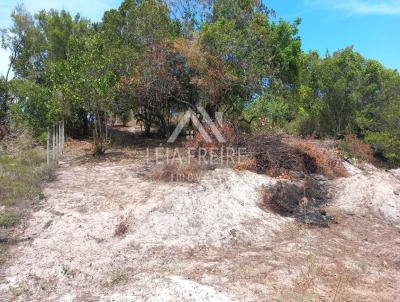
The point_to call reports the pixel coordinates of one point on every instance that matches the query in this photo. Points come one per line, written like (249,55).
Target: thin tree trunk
(100,134)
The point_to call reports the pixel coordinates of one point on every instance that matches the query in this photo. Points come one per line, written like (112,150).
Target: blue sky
(372,26)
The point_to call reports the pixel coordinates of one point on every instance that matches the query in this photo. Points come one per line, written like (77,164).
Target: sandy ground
(208,241)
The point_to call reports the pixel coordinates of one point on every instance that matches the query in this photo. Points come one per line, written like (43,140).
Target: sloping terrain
(105,232)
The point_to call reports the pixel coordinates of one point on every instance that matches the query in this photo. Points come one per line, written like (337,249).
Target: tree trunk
(99,133)
(211,109)
(147,126)
(147,122)
(163,125)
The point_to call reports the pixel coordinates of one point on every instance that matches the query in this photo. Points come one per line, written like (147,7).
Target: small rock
(396,193)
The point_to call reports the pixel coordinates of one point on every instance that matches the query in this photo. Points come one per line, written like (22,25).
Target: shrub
(21,175)
(216,150)
(247,164)
(304,126)
(386,146)
(126,117)
(278,158)
(325,163)
(9,217)
(273,112)
(352,147)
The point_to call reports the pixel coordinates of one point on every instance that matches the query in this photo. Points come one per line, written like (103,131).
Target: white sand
(189,242)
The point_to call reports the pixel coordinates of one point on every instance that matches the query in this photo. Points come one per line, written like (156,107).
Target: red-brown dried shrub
(277,157)
(354,147)
(325,163)
(246,164)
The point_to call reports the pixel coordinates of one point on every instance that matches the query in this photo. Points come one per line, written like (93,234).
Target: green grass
(9,217)
(21,175)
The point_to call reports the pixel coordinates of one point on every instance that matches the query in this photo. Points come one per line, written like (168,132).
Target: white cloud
(92,9)
(359,7)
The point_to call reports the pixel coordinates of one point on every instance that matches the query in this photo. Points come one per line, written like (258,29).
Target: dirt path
(107,233)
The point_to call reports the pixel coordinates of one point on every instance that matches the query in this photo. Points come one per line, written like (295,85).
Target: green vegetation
(67,271)
(9,217)
(20,177)
(354,148)
(230,56)
(126,117)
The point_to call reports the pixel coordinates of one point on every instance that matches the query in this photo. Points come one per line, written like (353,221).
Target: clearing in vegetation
(106,230)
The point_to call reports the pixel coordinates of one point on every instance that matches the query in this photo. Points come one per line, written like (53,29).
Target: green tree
(86,79)
(36,43)
(144,61)
(379,121)
(257,55)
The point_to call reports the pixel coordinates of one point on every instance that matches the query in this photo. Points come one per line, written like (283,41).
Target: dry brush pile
(302,167)
(303,170)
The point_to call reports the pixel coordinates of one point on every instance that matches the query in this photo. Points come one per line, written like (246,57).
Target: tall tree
(86,78)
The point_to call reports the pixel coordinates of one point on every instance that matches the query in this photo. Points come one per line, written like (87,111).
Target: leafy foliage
(158,58)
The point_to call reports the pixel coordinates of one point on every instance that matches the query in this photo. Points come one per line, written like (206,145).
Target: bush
(386,146)
(304,126)
(325,163)
(278,158)
(273,112)
(21,175)
(126,117)
(308,127)
(9,217)
(352,147)
(247,164)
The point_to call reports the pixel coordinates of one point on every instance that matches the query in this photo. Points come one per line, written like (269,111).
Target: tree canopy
(158,58)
